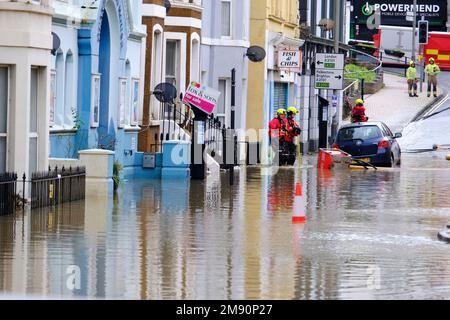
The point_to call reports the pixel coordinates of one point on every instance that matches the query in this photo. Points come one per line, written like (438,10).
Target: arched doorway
(109,67)
(104,69)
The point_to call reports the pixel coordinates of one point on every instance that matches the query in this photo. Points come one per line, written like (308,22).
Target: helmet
(431,60)
(411,63)
(359,101)
(293,110)
(281,111)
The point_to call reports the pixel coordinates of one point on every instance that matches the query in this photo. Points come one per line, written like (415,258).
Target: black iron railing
(175,120)
(57,186)
(214,136)
(8,185)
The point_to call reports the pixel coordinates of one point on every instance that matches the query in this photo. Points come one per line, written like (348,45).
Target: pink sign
(202,97)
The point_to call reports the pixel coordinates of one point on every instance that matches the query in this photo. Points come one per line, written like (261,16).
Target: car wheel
(391,163)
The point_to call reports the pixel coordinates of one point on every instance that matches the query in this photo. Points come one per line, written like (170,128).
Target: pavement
(431,129)
(392,104)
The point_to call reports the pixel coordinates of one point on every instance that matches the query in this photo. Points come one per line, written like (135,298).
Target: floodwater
(369,235)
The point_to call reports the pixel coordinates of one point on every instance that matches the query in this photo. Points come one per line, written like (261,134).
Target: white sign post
(329,71)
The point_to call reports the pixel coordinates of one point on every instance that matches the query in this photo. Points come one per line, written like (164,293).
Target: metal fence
(8,184)
(57,186)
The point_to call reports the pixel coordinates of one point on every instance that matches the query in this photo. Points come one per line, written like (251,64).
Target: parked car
(372,142)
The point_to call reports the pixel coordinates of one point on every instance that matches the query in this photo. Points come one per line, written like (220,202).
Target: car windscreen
(359,133)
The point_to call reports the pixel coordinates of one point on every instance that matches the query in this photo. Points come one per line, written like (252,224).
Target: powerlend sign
(394,12)
(290,60)
(202,97)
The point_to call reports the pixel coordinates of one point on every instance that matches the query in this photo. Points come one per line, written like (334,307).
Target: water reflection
(368,235)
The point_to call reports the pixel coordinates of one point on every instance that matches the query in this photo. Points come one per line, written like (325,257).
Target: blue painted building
(97,79)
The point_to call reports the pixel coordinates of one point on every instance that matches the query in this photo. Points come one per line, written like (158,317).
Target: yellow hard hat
(293,110)
(281,111)
(359,101)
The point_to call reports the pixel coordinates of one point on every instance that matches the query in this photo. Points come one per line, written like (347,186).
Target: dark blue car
(371,142)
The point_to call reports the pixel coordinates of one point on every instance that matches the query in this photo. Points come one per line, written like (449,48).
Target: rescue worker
(293,131)
(359,112)
(411,75)
(432,70)
(278,131)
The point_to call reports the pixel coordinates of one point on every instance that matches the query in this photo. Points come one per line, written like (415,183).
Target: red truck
(438,47)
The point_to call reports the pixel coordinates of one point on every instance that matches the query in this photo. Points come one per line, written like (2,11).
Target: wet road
(368,235)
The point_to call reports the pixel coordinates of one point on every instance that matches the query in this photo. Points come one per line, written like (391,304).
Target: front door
(323,122)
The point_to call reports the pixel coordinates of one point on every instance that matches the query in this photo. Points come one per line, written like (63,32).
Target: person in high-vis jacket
(432,70)
(293,131)
(411,75)
(278,132)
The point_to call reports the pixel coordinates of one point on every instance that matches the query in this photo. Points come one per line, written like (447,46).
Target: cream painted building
(25,45)
(274,25)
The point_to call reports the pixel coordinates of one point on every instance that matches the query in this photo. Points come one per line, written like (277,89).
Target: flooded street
(369,235)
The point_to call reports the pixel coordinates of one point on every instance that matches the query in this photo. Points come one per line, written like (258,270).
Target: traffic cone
(298,216)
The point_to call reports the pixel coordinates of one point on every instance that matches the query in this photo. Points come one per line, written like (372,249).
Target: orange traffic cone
(298,216)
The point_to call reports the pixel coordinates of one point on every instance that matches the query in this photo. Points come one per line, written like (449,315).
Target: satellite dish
(256,54)
(168,5)
(326,24)
(165,92)
(56,43)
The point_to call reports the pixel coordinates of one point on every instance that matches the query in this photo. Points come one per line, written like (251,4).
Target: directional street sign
(330,71)
(330,61)
(329,79)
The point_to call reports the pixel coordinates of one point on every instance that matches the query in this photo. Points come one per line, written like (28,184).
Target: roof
(363,124)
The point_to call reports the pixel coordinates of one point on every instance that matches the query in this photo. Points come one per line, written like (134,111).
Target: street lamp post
(337,32)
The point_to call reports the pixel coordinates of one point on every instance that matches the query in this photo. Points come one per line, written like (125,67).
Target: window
(156,71)
(134,101)
(226,19)
(195,60)
(95,100)
(69,108)
(33,129)
(52,97)
(356,133)
(122,101)
(172,62)
(4,117)
(280,96)
(59,110)
(221,108)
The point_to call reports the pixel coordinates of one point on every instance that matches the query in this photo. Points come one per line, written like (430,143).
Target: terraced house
(172,56)
(96,81)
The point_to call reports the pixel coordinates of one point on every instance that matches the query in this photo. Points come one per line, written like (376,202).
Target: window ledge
(62,129)
(276,19)
(132,128)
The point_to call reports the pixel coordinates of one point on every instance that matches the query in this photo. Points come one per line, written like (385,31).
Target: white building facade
(25,64)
